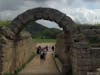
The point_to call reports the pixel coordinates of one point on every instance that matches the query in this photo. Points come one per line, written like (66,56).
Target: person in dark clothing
(54,52)
(38,49)
(53,48)
(42,55)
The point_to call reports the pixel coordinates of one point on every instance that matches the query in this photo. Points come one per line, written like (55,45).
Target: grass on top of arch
(37,40)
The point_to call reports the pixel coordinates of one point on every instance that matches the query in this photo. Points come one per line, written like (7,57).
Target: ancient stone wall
(16,53)
(24,49)
(60,47)
(2,44)
(7,56)
(95,58)
(81,59)
(85,61)
(85,58)
(92,33)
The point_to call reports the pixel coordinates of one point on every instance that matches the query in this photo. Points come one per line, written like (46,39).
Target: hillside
(40,31)
(35,29)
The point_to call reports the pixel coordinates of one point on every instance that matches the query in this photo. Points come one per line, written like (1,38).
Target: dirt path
(38,67)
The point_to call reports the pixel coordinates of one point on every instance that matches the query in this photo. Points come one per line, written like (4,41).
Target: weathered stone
(16,53)
(41,13)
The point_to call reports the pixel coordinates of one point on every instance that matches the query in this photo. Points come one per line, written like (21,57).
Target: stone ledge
(58,63)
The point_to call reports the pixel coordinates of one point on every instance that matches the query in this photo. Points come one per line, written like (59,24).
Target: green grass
(5,23)
(44,40)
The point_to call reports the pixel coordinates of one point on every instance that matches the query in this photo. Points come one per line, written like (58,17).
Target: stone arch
(19,23)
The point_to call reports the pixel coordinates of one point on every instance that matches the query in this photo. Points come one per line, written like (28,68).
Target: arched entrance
(20,22)
(12,32)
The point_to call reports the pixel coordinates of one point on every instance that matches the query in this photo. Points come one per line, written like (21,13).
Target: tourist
(46,48)
(54,53)
(42,54)
(38,49)
(53,48)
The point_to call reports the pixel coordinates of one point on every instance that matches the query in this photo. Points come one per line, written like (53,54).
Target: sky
(81,11)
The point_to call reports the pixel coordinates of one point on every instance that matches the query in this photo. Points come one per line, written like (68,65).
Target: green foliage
(78,24)
(5,23)
(50,33)
(40,31)
(35,29)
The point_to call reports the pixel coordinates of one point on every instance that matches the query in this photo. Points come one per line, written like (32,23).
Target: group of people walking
(42,51)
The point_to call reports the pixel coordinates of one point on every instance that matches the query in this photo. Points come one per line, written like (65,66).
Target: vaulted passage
(13,42)
(13,32)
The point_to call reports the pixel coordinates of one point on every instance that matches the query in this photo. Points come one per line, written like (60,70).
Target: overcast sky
(82,11)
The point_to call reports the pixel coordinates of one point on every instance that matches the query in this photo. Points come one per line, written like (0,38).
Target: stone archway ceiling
(21,20)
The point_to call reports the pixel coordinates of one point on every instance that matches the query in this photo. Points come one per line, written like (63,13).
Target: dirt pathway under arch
(36,67)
